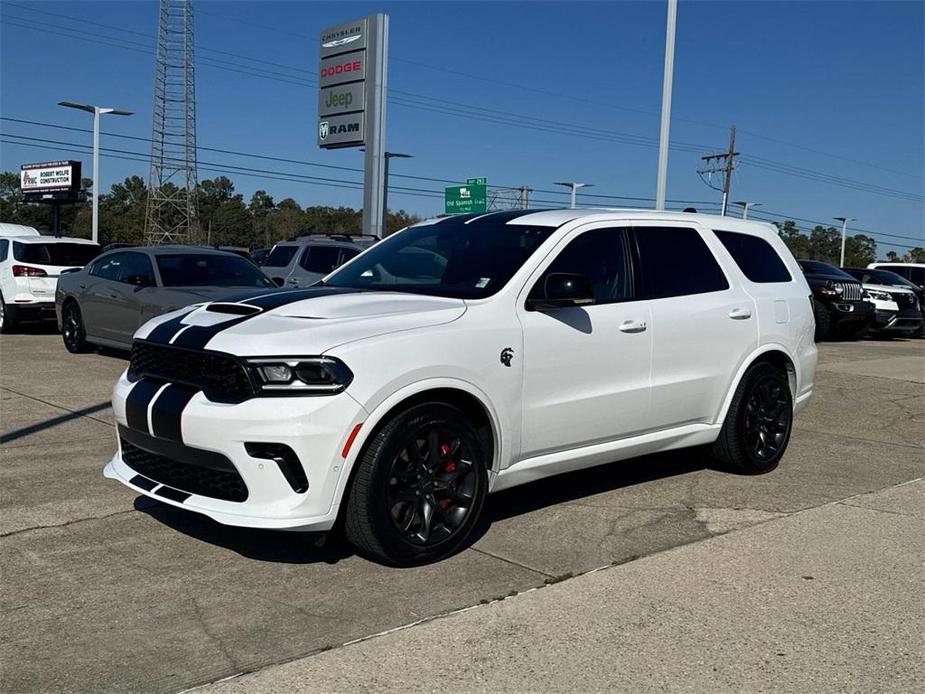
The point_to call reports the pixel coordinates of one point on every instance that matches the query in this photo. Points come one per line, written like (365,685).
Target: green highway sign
(466,199)
(481,181)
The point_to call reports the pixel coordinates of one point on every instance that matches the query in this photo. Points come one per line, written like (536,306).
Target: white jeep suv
(465,355)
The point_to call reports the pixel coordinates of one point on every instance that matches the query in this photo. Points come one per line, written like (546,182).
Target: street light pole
(574,185)
(844,232)
(96,111)
(385,185)
(662,182)
(745,204)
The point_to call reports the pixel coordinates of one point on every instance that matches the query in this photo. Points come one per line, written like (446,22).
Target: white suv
(30,265)
(462,356)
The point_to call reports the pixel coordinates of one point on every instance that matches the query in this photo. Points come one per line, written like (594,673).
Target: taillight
(26,271)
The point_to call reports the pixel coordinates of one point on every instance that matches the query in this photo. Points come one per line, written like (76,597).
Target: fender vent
(236,309)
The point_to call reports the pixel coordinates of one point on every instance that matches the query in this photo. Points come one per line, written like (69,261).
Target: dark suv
(838,301)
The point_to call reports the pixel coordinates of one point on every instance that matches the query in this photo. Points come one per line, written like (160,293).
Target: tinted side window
(134,264)
(321,259)
(917,275)
(110,267)
(280,256)
(346,254)
(602,256)
(755,257)
(4,248)
(676,261)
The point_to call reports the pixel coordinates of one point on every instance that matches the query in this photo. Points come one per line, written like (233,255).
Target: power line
(527,122)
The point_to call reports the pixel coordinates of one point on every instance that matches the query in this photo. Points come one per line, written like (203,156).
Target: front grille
(904,300)
(220,376)
(850,291)
(195,479)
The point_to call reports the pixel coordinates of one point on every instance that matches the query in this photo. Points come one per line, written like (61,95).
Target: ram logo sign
(341,131)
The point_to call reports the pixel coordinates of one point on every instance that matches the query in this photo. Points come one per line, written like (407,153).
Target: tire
(428,457)
(757,428)
(73,333)
(823,321)
(8,318)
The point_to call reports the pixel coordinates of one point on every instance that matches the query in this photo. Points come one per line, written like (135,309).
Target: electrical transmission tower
(724,163)
(171,213)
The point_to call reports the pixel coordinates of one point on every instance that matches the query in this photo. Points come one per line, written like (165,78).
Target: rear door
(703,323)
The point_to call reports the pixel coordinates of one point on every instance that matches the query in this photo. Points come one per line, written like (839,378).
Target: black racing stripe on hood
(166,330)
(198,336)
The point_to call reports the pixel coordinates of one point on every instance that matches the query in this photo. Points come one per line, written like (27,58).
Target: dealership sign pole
(351,102)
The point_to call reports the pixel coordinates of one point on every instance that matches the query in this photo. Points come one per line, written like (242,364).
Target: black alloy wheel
(757,427)
(767,418)
(419,486)
(431,486)
(72,329)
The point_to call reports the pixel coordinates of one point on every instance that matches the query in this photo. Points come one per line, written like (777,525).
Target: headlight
(878,295)
(299,375)
(831,289)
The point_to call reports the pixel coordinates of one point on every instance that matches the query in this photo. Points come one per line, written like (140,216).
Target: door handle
(82,286)
(633,326)
(740,313)
(113,296)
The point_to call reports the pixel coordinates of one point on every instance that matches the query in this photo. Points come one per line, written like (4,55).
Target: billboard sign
(465,199)
(343,98)
(53,181)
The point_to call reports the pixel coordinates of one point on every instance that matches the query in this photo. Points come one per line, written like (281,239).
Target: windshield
(60,254)
(280,256)
(817,268)
(209,270)
(891,279)
(448,258)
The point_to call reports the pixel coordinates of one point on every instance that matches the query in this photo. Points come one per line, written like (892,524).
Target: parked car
(302,261)
(258,255)
(104,303)
(838,301)
(899,302)
(914,272)
(539,343)
(30,265)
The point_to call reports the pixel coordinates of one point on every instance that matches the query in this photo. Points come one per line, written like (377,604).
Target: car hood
(887,288)
(825,277)
(298,322)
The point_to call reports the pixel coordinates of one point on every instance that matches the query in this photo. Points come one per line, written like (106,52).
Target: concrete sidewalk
(825,600)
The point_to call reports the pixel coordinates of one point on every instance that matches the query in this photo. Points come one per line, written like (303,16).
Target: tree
(860,250)
(892,256)
(915,255)
(795,240)
(825,244)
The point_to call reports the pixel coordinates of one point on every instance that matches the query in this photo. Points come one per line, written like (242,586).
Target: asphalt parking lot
(106,591)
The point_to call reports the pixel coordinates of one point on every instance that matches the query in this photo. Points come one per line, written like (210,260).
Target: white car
(914,272)
(466,355)
(897,307)
(30,265)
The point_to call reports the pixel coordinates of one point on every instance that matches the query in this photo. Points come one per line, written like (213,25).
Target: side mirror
(140,280)
(562,290)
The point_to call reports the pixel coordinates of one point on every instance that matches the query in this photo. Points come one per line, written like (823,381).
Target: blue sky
(834,89)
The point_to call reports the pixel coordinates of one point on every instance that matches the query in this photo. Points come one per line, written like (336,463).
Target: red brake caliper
(448,466)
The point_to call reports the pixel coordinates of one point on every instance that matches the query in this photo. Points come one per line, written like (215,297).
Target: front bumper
(315,428)
(887,320)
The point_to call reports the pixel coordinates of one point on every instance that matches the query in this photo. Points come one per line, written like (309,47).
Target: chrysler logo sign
(341,42)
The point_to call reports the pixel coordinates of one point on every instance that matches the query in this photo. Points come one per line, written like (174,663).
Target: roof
(558,217)
(53,239)
(17,230)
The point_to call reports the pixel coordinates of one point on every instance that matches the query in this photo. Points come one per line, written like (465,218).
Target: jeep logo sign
(343,98)
(341,131)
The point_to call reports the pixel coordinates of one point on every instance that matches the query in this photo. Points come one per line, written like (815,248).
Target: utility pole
(662,179)
(525,196)
(722,162)
(574,185)
(844,232)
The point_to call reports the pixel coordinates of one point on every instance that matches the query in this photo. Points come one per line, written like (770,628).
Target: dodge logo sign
(323,130)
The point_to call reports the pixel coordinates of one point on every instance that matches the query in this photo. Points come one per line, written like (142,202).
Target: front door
(586,368)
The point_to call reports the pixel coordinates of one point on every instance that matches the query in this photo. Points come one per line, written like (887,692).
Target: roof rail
(339,237)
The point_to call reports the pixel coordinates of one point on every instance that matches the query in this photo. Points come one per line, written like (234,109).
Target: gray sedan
(106,301)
